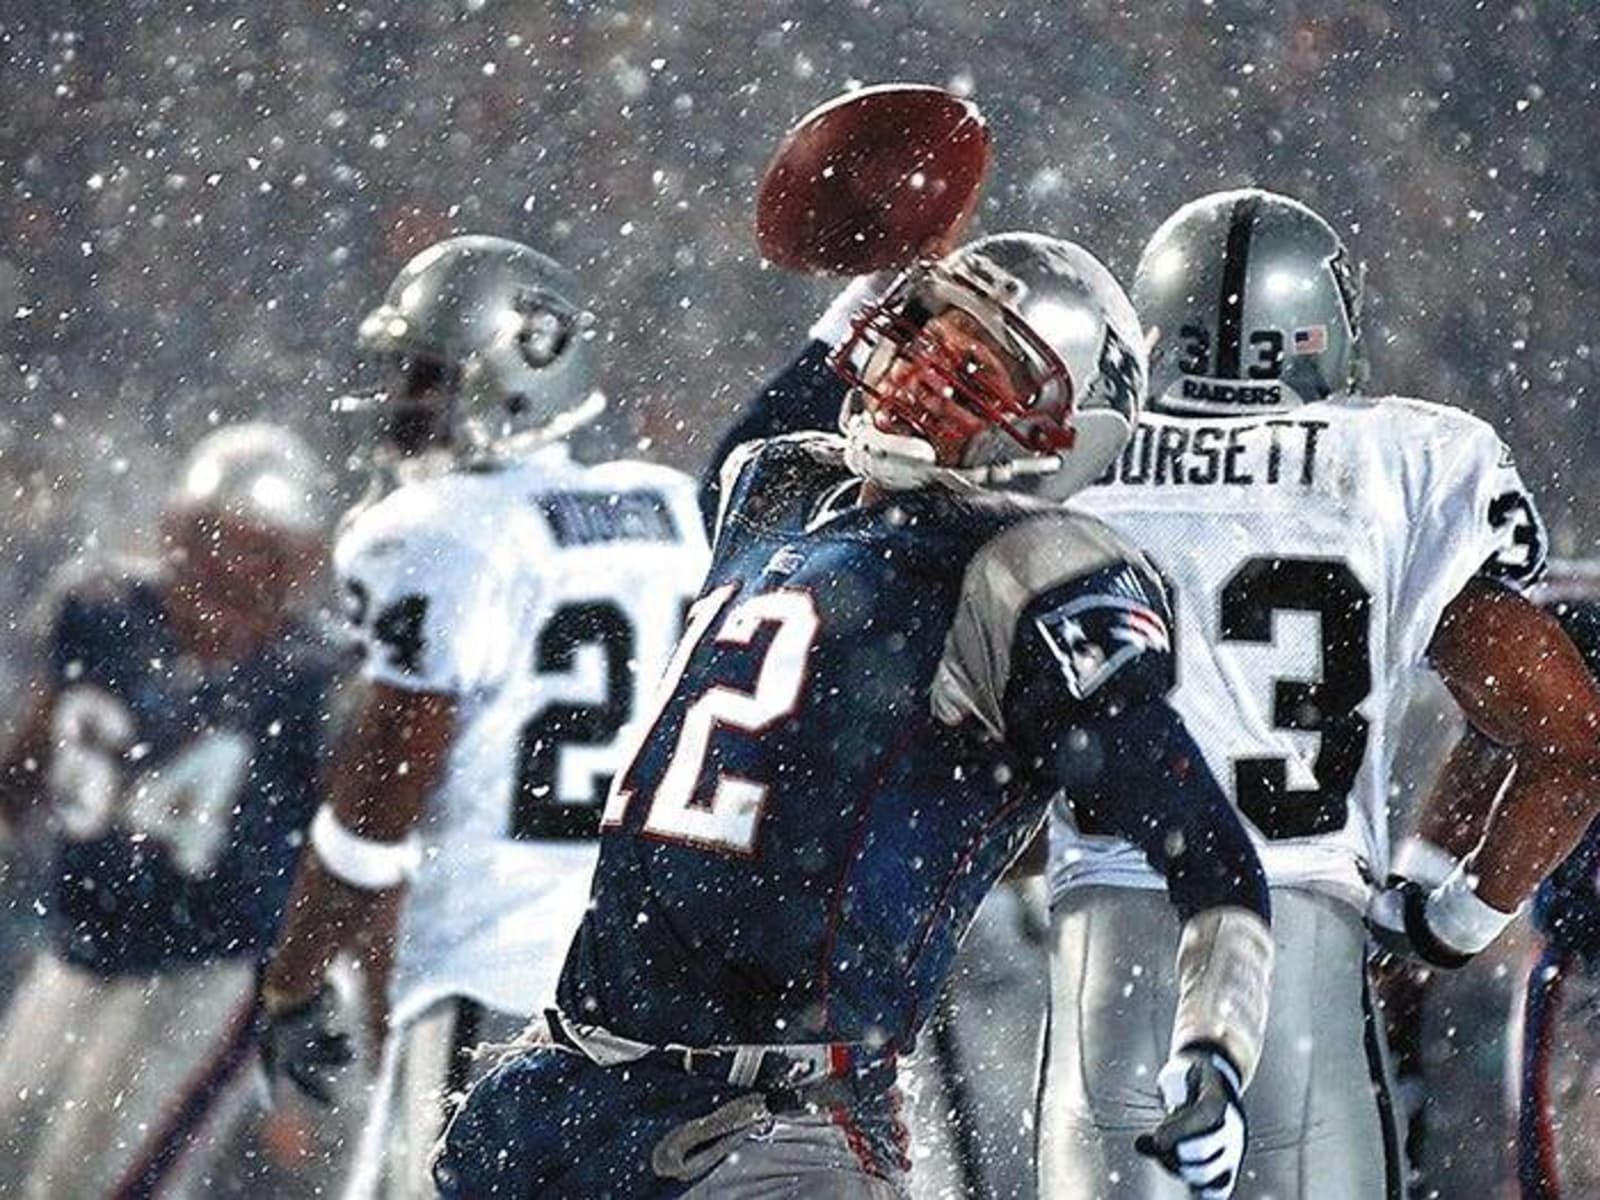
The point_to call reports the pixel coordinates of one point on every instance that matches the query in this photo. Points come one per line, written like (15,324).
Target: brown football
(872,178)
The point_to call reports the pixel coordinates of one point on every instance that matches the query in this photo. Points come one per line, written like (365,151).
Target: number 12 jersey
(545,596)
(1310,554)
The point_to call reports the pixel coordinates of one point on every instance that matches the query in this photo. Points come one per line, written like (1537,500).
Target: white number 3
(726,815)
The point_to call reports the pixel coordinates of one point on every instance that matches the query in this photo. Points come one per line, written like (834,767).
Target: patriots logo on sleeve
(1093,637)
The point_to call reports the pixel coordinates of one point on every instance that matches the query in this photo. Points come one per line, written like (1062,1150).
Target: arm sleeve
(1476,517)
(1091,669)
(431,610)
(1063,647)
(1140,776)
(807,394)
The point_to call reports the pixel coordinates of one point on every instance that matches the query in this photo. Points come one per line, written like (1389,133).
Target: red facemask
(948,380)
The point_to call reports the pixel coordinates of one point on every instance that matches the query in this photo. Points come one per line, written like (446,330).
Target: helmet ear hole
(543,338)
(507,324)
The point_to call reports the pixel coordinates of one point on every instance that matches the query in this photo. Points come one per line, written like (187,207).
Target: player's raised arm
(860,187)
(807,393)
(1078,679)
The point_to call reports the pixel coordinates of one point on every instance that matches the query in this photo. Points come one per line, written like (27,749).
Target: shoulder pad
(1033,566)
(90,609)
(425,600)
(621,501)
(776,482)
(1420,410)
(1109,634)
(106,582)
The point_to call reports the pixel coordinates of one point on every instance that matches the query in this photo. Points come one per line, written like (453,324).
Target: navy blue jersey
(869,712)
(806,394)
(183,793)
(1566,908)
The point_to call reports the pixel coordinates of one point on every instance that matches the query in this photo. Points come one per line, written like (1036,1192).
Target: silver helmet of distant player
(245,527)
(485,348)
(1256,304)
(1070,334)
(257,474)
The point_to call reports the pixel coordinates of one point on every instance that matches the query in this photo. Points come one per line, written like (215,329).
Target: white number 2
(728,818)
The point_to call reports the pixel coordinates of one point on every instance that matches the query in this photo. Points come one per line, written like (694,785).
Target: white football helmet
(1059,314)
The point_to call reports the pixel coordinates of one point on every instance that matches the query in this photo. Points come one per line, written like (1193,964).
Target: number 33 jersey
(1310,555)
(543,595)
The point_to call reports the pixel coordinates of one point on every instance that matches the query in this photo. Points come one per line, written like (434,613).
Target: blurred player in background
(898,658)
(1555,1024)
(514,604)
(1553,1060)
(1323,547)
(171,754)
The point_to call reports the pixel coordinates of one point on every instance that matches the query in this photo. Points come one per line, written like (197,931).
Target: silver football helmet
(1257,306)
(1063,319)
(487,348)
(261,474)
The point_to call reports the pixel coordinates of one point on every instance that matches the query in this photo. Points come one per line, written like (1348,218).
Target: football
(871,179)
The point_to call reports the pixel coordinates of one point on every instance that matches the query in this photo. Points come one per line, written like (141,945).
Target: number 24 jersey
(1310,555)
(545,596)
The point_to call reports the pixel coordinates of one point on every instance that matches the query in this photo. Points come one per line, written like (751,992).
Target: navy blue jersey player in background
(1554,1036)
(898,660)
(1558,1110)
(169,756)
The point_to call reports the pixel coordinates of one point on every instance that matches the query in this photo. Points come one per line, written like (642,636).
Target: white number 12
(727,819)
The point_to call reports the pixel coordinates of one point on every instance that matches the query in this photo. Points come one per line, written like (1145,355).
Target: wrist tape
(359,861)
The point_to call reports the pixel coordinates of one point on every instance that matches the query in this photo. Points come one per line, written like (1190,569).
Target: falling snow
(201,202)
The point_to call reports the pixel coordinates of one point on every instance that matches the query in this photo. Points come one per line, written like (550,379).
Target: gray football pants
(1321,1126)
(427,1064)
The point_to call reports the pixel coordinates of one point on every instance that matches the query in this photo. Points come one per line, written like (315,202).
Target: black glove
(301,1043)
(1397,919)
(1203,1136)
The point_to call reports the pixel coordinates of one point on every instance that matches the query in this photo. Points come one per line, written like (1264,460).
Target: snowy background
(199,203)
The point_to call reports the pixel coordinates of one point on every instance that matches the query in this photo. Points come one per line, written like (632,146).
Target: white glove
(1203,1137)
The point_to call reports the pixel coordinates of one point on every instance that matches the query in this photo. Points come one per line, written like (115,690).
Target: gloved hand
(300,1042)
(1203,1137)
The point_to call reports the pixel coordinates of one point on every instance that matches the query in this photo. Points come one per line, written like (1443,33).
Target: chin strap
(899,462)
(556,429)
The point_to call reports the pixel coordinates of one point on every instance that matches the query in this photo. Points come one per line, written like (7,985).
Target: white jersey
(1310,554)
(546,597)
